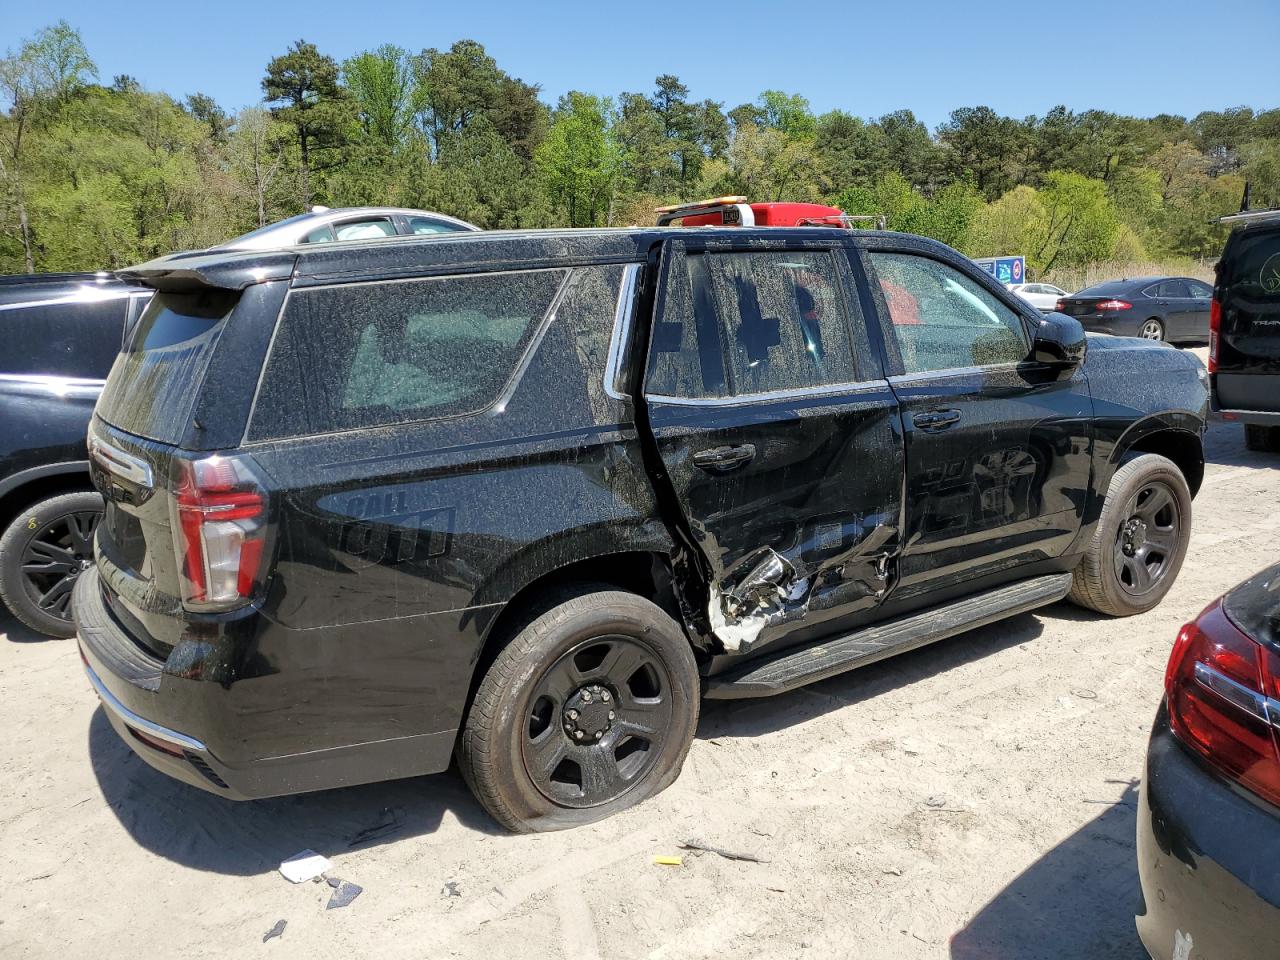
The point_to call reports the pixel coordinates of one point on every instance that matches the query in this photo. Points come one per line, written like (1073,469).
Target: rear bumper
(1207,859)
(182,727)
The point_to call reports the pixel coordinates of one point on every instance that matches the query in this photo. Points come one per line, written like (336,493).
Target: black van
(528,496)
(1244,346)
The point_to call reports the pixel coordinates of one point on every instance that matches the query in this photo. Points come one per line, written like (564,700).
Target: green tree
(381,85)
(579,160)
(303,85)
(788,113)
(46,71)
(985,146)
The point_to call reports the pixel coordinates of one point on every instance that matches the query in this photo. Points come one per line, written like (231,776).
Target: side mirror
(1059,341)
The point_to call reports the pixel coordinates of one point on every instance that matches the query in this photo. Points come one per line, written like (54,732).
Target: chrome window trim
(82,295)
(801,393)
(148,727)
(116,461)
(622,315)
(956,371)
(54,386)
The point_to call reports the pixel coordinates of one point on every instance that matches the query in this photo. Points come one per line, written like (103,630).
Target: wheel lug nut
(573,714)
(577,734)
(605,696)
(612,715)
(599,734)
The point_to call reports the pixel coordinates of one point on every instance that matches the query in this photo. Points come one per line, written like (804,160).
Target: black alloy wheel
(43,552)
(598,719)
(1147,539)
(587,709)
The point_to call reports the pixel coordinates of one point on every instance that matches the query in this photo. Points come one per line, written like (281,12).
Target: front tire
(1140,541)
(589,710)
(42,552)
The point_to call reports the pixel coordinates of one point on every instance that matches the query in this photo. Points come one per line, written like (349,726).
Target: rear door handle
(724,459)
(936,419)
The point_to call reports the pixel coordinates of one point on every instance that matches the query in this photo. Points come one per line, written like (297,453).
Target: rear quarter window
(153,386)
(374,354)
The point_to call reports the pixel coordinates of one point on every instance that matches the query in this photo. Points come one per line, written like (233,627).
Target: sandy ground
(974,799)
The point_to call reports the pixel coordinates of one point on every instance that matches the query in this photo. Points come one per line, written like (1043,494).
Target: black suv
(527,496)
(1244,345)
(63,331)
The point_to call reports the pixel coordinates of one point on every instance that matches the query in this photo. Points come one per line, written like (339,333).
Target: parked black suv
(528,495)
(62,333)
(1244,346)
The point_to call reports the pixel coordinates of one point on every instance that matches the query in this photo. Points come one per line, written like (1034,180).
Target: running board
(788,669)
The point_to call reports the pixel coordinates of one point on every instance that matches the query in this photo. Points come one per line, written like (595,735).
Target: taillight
(1223,691)
(219,531)
(1114,305)
(1215,327)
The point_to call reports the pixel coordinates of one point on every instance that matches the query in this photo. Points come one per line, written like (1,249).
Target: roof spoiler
(197,270)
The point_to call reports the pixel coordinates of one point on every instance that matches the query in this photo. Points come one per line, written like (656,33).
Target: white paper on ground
(306,865)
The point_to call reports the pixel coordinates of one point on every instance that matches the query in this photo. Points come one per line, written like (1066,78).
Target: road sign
(1005,269)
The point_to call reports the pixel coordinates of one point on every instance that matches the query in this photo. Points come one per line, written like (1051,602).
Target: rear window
(1108,289)
(1252,267)
(153,385)
(373,354)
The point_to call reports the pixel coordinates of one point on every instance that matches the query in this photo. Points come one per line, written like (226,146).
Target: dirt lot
(974,799)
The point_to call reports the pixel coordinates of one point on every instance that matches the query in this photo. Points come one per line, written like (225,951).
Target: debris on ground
(389,824)
(450,889)
(276,931)
(701,847)
(936,802)
(668,861)
(304,866)
(343,893)
(1084,693)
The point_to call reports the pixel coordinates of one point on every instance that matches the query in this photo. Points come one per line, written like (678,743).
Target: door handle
(724,459)
(936,419)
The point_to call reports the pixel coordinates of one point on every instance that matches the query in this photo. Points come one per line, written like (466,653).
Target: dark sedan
(1175,309)
(1209,808)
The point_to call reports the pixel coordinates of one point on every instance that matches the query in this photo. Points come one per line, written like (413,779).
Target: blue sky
(1130,56)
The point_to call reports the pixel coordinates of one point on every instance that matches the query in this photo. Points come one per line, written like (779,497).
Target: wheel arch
(26,487)
(646,573)
(1177,440)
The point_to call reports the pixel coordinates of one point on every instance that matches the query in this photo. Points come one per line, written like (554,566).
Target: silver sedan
(325,225)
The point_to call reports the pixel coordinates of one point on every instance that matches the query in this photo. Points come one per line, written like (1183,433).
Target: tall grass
(1072,279)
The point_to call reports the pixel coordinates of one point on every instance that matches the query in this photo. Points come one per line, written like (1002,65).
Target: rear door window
(738,324)
(373,354)
(365,229)
(154,383)
(66,338)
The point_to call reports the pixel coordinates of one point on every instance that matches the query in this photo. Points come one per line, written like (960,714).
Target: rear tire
(1152,329)
(539,756)
(1140,542)
(1260,437)
(42,552)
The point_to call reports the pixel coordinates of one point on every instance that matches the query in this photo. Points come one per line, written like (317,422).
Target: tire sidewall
(1133,475)
(665,640)
(20,531)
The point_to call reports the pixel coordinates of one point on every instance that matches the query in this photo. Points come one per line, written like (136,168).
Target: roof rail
(100,276)
(1247,216)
